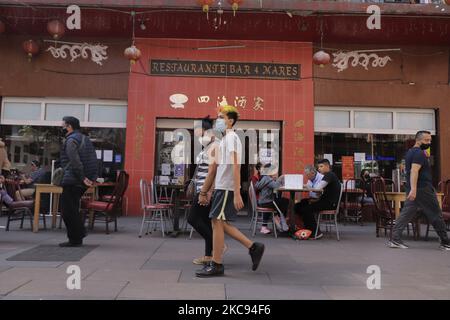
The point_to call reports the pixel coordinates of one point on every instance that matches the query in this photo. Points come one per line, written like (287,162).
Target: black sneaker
(397,244)
(444,246)
(211,270)
(71,244)
(256,251)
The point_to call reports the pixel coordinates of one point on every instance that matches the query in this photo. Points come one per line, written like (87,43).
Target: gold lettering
(232,68)
(155,66)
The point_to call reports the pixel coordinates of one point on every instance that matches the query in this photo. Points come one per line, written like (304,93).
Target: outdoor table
(177,188)
(399,197)
(56,191)
(292,192)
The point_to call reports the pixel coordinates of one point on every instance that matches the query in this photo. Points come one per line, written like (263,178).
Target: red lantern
(2,27)
(56,29)
(235,5)
(132,53)
(31,48)
(321,58)
(205,5)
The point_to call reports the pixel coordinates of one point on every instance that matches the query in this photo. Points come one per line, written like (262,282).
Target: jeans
(426,200)
(307,211)
(70,210)
(199,219)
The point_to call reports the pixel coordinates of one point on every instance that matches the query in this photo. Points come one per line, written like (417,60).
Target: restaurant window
(38,136)
(21,111)
(56,111)
(331,119)
(377,140)
(175,137)
(373,120)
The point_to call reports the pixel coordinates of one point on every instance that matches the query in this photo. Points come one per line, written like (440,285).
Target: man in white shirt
(314,179)
(227,200)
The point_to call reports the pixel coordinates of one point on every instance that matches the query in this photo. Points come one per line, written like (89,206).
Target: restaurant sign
(219,69)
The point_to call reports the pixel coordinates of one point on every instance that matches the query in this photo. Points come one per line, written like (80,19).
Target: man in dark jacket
(80,171)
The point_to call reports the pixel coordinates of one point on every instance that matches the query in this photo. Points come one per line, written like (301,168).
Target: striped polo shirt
(203,161)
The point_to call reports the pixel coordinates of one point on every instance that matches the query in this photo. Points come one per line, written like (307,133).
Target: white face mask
(205,140)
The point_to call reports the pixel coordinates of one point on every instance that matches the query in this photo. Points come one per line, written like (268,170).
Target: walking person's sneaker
(203,260)
(397,244)
(71,244)
(445,246)
(256,252)
(211,270)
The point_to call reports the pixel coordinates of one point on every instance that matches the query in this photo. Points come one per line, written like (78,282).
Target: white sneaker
(397,244)
(265,230)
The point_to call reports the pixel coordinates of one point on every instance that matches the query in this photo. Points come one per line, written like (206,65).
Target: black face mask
(63,131)
(425,146)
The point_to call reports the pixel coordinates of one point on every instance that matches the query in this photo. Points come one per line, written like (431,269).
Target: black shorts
(222,206)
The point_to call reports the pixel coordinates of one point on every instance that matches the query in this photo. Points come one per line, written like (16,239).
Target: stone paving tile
(55,289)
(9,284)
(385,293)
(143,276)
(136,290)
(153,267)
(274,292)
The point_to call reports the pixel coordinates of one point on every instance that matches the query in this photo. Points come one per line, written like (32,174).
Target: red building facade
(288,101)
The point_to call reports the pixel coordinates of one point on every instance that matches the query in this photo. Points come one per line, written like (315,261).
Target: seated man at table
(36,176)
(327,201)
(265,186)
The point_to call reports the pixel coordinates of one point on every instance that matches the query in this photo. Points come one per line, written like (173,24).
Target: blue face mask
(220,125)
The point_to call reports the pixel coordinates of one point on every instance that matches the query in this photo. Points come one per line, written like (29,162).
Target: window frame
(44,101)
(394,111)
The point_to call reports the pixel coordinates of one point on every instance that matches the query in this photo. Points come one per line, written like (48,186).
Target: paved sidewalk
(126,267)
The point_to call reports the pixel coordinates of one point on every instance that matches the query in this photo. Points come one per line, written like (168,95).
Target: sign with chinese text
(221,69)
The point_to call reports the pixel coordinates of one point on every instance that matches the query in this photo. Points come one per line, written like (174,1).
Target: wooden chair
(384,213)
(18,210)
(443,187)
(330,213)
(107,211)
